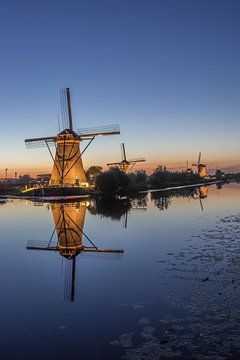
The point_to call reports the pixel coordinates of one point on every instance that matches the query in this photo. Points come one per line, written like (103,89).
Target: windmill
(201,168)
(125,165)
(68,168)
(69,222)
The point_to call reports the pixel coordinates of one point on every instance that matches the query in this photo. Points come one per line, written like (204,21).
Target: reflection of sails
(69,222)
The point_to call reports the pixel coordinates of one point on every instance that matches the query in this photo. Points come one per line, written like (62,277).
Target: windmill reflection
(200,194)
(69,222)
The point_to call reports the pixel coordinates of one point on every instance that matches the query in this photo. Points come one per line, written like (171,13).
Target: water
(173,293)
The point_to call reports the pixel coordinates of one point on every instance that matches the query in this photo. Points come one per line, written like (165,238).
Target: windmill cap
(67,133)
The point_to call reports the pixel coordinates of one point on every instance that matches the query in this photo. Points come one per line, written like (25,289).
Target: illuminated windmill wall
(68,167)
(69,222)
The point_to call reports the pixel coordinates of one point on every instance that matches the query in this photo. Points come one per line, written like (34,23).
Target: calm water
(173,293)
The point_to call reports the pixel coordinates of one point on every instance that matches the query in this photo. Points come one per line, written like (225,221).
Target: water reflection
(163,200)
(154,303)
(69,223)
(118,209)
(69,238)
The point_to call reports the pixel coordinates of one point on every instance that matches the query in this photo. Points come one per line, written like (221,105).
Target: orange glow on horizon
(149,167)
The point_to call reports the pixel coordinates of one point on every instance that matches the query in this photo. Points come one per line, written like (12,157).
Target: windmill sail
(39,142)
(99,131)
(136,160)
(124,157)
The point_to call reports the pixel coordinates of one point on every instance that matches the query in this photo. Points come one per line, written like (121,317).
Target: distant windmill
(67,164)
(69,221)
(201,168)
(125,165)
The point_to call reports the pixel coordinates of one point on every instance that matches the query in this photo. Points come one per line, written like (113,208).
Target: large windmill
(67,164)
(201,168)
(125,165)
(69,222)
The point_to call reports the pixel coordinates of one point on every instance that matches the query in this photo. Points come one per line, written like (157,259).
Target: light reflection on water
(115,295)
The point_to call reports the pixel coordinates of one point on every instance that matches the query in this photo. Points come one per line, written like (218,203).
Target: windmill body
(202,170)
(68,167)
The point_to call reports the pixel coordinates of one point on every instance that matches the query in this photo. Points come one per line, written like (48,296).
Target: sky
(166,71)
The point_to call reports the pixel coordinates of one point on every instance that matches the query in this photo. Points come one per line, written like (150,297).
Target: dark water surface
(172,294)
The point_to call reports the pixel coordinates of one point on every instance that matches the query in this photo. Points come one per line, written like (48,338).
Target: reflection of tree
(110,208)
(139,202)
(162,202)
(163,199)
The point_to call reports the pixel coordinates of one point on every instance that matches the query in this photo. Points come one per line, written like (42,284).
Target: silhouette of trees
(113,182)
(219,174)
(92,174)
(138,180)
(164,178)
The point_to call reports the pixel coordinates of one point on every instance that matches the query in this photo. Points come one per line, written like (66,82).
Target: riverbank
(182,187)
(71,193)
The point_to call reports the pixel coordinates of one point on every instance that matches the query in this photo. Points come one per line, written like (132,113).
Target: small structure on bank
(68,167)
(69,222)
(125,164)
(201,168)
(188,169)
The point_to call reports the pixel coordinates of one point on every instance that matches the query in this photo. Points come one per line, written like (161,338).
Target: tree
(113,182)
(92,173)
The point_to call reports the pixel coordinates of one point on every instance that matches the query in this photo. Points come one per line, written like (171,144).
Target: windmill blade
(92,249)
(99,131)
(40,245)
(39,142)
(123,151)
(114,163)
(102,254)
(136,160)
(199,157)
(70,124)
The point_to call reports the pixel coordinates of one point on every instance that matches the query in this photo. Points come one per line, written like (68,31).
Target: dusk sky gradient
(166,71)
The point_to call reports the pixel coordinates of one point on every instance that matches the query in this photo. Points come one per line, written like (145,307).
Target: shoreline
(180,187)
(66,198)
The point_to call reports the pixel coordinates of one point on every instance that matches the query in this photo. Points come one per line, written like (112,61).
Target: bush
(113,182)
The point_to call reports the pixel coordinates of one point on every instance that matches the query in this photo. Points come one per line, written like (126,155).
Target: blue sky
(166,71)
